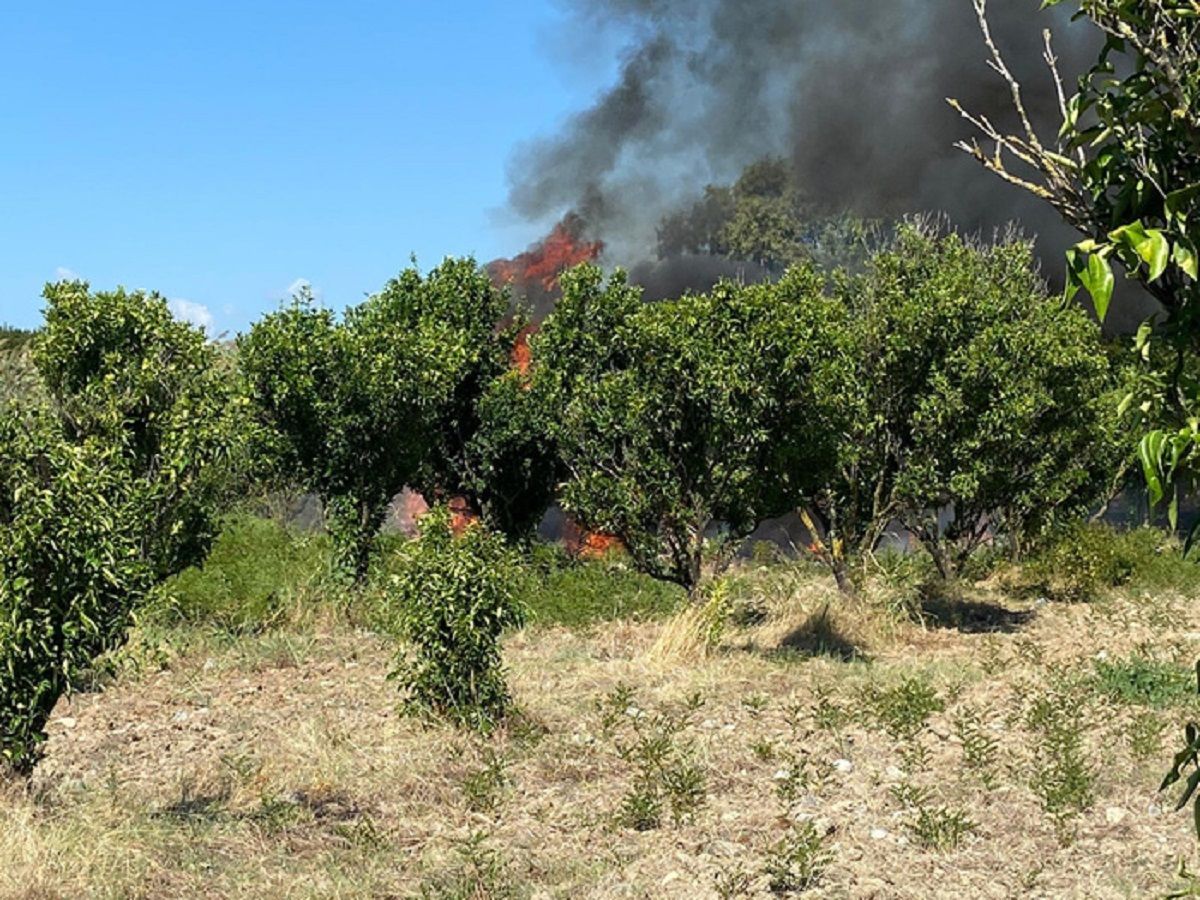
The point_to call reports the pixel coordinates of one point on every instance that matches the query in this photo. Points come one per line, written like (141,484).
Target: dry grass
(277,766)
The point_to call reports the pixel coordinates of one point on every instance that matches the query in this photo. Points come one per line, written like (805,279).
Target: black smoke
(851,92)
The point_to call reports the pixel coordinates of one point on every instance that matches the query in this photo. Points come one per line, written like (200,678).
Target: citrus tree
(972,404)
(683,424)
(355,407)
(1124,169)
(109,486)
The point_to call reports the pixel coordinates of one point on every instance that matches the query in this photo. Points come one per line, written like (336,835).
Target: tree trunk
(841,574)
(941,559)
(834,556)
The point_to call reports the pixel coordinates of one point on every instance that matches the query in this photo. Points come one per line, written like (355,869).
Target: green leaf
(1150,455)
(1177,203)
(1097,279)
(1184,255)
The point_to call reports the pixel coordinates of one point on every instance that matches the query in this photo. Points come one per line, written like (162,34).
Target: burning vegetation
(533,275)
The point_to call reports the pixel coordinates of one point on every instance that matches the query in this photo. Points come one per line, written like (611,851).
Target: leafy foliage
(1187,763)
(1085,559)
(454,596)
(764,218)
(18,377)
(1124,170)
(111,487)
(498,453)
(974,404)
(355,407)
(684,420)
(1143,681)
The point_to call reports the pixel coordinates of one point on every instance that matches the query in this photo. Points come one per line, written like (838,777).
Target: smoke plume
(851,92)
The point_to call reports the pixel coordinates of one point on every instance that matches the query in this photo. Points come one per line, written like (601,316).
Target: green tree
(110,486)
(18,378)
(492,444)
(975,404)
(1124,170)
(684,424)
(765,218)
(355,407)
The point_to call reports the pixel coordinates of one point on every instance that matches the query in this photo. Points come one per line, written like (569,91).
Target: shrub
(110,488)
(574,592)
(1063,778)
(1081,562)
(453,597)
(683,424)
(797,862)
(667,776)
(1142,681)
(254,568)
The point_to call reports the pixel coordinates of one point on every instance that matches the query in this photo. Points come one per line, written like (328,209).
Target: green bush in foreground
(108,488)
(453,596)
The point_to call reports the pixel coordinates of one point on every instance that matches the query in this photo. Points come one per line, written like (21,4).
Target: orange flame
(535,273)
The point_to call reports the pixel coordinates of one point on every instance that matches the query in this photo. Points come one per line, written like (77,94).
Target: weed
(484,788)
(479,871)
(828,715)
(909,795)
(904,709)
(363,834)
(932,827)
(1062,778)
(792,780)
(764,750)
(1143,681)
(940,827)
(735,882)
(979,747)
(641,807)
(756,703)
(666,775)
(276,814)
(1145,734)
(798,861)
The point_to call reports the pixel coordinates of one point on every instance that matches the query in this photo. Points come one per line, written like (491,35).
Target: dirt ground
(278,765)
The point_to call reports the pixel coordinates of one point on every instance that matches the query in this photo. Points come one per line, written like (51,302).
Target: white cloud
(62,273)
(195,313)
(301,284)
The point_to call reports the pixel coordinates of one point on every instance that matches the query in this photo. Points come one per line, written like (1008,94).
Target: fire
(462,515)
(521,357)
(588,544)
(534,274)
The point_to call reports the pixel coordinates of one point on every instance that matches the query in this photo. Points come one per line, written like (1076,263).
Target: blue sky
(218,152)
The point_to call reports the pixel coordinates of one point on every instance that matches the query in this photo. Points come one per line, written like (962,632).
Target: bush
(254,568)
(1083,561)
(1142,681)
(575,592)
(453,596)
(109,488)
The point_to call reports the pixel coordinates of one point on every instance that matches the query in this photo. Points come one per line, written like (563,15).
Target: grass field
(988,744)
